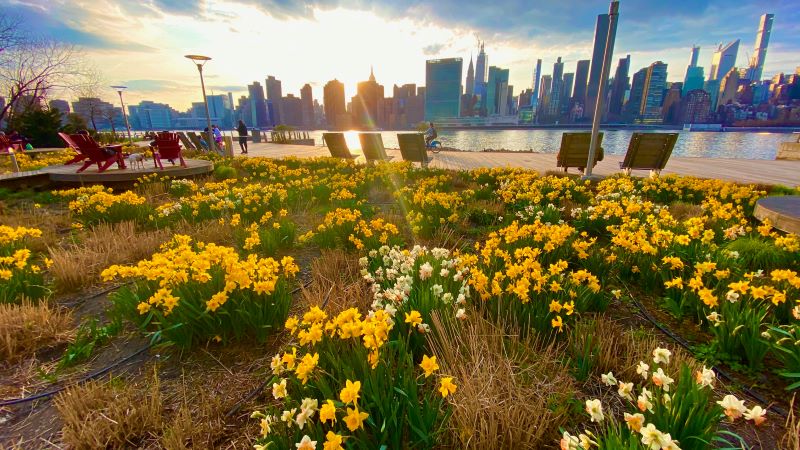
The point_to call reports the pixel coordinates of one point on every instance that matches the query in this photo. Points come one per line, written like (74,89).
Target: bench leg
(627,171)
(654,173)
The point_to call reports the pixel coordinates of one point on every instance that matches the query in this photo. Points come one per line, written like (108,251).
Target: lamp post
(124,114)
(613,12)
(200,61)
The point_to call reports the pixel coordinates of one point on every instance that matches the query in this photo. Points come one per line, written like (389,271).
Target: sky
(141,43)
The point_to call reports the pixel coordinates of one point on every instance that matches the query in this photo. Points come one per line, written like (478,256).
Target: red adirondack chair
(103,156)
(5,144)
(167,146)
(79,156)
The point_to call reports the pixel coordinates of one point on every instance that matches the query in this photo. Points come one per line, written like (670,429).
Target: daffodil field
(342,306)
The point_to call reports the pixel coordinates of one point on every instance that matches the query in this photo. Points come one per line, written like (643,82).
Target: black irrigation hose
(261,387)
(682,342)
(100,372)
(96,294)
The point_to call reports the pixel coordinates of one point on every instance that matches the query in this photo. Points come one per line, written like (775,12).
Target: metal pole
(613,12)
(210,136)
(125,115)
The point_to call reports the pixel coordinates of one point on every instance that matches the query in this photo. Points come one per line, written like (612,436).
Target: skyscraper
(557,89)
(545,94)
(760,51)
(712,87)
(618,88)
(221,110)
(307,103)
(727,87)
(601,34)
(653,94)
(694,55)
(671,108)
(443,87)
(275,95)
(365,103)
(497,92)
(724,60)
(292,111)
(634,104)
(694,79)
(537,78)
(480,66)
(335,110)
(258,107)
(470,87)
(581,78)
(695,106)
(566,91)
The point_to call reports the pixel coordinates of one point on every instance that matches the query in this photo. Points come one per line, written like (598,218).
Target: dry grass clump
(196,425)
(336,276)
(77,265)
(29,326)
(612,348)
(682,211)
(512,393)
(113,414)
(791,439)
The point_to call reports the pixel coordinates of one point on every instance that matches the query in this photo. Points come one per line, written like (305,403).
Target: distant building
(760,51)
(694,79)
(243,110)
(335,109)
(96,112)
(566,92)
(61,105)
(557,90)
(712,87)
(537,79)
(481,67)
(620,85)
(307,98)
(544,95)
(259,117)
(292,111)
(151,116)
(581,80)
(694,55)
(634,104)
(671,108)
(724,60)
(365,103)
(497,92)
(653,94)
(443,86)
(601,35)
(728,87)
(275,95)
(221,111)
(469,88)
(695,107)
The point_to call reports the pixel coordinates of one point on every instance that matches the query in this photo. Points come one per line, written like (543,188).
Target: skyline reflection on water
(731,144)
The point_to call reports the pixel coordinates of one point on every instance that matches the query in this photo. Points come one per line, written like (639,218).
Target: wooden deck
(738,170)
(68,174)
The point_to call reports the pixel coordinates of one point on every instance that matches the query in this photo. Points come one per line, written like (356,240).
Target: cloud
(433,49)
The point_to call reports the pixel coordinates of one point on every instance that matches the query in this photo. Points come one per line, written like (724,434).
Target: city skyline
(150,62)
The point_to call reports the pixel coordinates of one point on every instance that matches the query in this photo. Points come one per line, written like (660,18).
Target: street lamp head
(199,59)
(119,88)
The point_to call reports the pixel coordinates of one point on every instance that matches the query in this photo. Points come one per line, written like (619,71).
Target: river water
(729,144)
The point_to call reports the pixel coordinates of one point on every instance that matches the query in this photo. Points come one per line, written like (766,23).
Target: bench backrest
(168,144)
(89,147)
(649,150)
(372,146)
(337,145)
(412,147)
(574,150)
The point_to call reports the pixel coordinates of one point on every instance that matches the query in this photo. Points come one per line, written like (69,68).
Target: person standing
(242,130)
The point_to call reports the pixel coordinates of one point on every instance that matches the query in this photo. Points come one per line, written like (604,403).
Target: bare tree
(32,67)
(110,114)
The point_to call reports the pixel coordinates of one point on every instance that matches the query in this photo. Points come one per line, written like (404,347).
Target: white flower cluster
(398,270)
(168,209)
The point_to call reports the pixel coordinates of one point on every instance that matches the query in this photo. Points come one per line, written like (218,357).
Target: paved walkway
(739,170)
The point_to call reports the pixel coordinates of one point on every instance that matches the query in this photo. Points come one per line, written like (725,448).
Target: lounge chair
(167,146)
(196,141)
(372,146)
(648,151)
(186,141)
(412,148)
(5,144)
(71,144)
(574,151)
(103,156)
(337,145)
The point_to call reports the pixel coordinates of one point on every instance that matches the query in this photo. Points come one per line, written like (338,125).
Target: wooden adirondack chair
(574,150)
(185,141)
(648,151)
(196,141)
(79,156)
(337,145)
(103,156)
(412,148)
(5,144)
(167,146)
(372,146)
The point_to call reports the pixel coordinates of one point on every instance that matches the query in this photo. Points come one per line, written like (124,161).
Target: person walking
(242,130)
